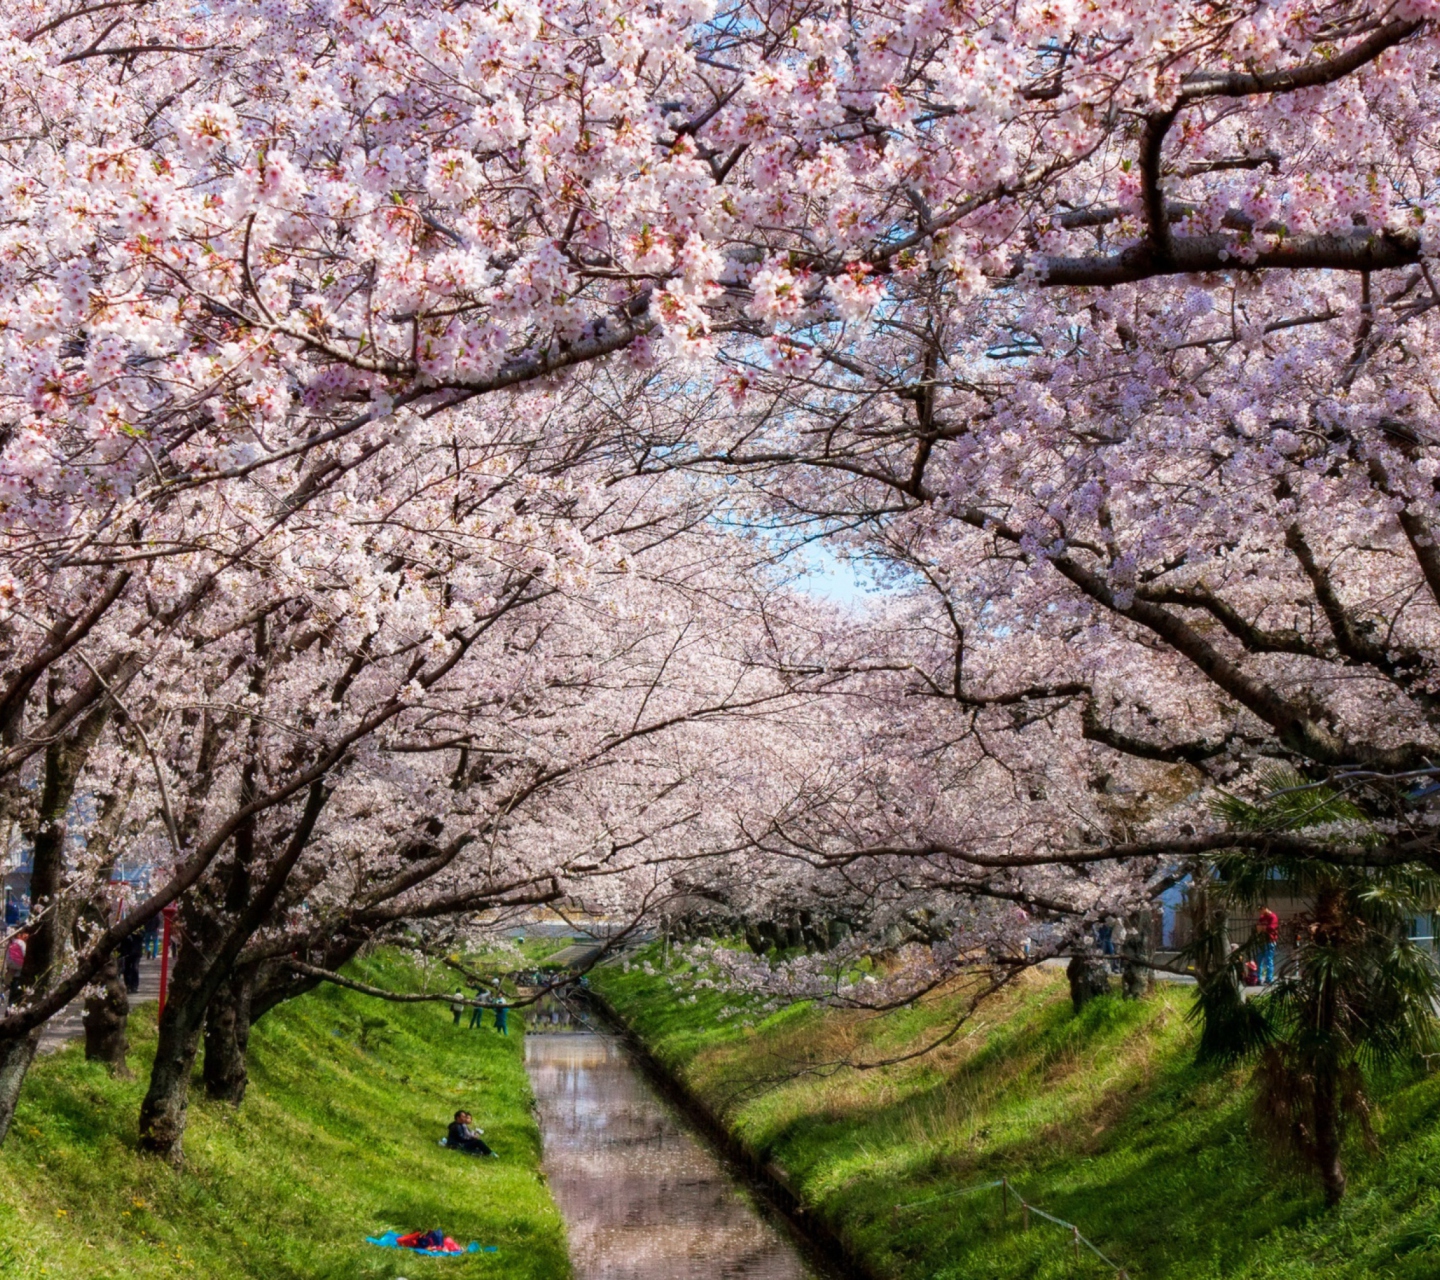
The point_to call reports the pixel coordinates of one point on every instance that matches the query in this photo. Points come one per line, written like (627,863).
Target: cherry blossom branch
(1201,85)
(1355,251)
(1266,844)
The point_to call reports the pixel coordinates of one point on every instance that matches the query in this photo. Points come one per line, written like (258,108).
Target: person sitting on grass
(461,1137)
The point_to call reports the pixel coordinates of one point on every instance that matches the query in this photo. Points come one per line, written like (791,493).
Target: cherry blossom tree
(451,597)
(1104,330)
(582,791)
(827,185)
(1149,416)
(1152,417)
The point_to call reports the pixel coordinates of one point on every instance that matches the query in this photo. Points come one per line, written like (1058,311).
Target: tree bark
(1211,947)
(1088,978)
(107,1014)
(1325,1058)
(273,983)
(1327,1137)
(162,1113)
(16,1055)
(227,1036)
(50,928)
(1137,978)
(211,942)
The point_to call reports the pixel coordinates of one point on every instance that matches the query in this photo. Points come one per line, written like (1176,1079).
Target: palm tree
(1356,993)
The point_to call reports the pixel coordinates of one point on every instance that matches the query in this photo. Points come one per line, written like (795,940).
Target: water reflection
(642,1198)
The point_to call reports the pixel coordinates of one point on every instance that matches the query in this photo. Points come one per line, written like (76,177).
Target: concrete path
(67,1026)
(1162,975)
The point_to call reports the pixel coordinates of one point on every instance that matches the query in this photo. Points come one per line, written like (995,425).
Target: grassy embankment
(337,1140)
(1102,1120)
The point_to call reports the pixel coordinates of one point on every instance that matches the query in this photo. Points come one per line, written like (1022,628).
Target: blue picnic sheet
(391,1240)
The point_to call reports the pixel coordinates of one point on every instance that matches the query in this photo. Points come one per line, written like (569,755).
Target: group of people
(1111,934)
(1259,970)
(462,1137)
(132,949)
(482,1000)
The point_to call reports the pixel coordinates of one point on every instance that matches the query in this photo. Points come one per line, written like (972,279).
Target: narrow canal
(642,1196)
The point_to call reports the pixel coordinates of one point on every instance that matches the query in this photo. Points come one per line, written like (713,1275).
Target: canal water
(642,1196)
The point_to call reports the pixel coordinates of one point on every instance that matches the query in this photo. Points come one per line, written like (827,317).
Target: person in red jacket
(14,963)
(1268,927)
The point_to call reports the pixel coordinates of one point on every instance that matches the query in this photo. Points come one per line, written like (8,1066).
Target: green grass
(1102,1120)
(337,1140)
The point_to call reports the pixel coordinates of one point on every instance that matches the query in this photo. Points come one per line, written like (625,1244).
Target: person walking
(1268,927)
(1112,939)
(477,1010)
(131,949)
(15,962)
(457,1006)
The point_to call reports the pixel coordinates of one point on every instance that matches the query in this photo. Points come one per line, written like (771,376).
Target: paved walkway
(1165,975)
(67,1026)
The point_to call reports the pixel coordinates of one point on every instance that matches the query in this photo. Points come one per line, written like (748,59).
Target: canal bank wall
(823,1246)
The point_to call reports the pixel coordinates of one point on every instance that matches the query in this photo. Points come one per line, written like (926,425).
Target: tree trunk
(53,911)
(1088,978)
(1326,1063)
(50,928)
(1137,978)
(227,1035)
(209,948)
(272,984)
(16,1055)
(162,1114)
(107,1014)
(1210,950)
(1327,1137)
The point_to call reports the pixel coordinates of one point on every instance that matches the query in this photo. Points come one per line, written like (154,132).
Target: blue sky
(826,575)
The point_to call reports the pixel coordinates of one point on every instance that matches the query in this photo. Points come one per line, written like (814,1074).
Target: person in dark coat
(131,949)
(461,1137)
